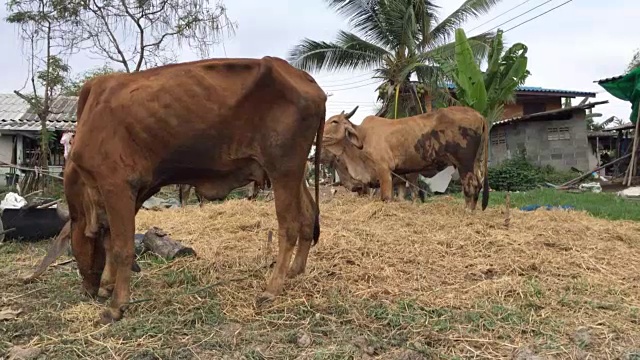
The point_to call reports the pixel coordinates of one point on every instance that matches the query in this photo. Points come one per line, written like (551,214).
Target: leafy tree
(487,91)
(397,39)
(592,125)
(72,87)
(46,30)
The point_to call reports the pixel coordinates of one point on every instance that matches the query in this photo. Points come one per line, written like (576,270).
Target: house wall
(533,136)
(517,108)
(6,151)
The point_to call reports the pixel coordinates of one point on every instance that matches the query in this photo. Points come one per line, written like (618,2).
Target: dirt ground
(395,281)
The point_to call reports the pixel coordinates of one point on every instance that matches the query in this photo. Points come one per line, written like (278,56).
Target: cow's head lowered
(345,145)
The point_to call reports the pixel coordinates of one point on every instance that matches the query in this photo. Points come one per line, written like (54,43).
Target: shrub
(517,174)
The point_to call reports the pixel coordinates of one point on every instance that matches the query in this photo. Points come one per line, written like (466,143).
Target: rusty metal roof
(17,115)
(550,115)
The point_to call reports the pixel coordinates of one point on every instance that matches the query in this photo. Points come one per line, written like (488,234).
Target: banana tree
(487,91)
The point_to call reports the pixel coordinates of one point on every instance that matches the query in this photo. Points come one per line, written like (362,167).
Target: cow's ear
(352,136)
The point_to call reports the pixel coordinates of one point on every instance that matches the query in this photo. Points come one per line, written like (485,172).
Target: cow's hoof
(105,291)
(110,316)
(135,267)
(264,299)
(90,291)
(294,272)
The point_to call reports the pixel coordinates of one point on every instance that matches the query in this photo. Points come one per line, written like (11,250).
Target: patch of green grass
(601,205)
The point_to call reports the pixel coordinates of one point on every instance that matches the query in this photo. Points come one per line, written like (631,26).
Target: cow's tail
(316,175)
(485,162)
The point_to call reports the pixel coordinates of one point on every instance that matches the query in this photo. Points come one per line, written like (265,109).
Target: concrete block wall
(532,135)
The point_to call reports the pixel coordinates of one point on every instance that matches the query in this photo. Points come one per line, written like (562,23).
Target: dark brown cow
(215,124)
(455,136)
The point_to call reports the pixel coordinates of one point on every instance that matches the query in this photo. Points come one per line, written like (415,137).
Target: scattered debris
(630,193)
(20,353)
(304,340)
(593,186)
(159,243)
(548,207)
(8,314)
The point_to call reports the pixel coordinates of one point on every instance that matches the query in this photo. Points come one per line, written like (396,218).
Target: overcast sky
(569,48)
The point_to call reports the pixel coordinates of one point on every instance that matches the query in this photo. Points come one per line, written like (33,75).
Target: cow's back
(227,108)
(400,143)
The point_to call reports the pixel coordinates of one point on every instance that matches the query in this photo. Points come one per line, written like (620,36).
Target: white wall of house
(6,150)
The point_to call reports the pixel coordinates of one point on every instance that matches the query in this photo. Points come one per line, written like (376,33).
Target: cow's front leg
(121,214)
(386,184)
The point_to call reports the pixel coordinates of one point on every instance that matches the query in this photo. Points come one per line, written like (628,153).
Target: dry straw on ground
(427,278)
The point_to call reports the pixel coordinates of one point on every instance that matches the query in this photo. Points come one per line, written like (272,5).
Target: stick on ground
(158,242)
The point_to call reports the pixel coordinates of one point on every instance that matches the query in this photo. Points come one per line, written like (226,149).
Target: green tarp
(626,88)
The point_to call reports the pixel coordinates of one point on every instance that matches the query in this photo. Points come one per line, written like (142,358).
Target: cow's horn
(349,115)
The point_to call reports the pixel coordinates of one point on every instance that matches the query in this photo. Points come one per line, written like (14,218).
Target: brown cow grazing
(215,124)
(351,184)
(455,136)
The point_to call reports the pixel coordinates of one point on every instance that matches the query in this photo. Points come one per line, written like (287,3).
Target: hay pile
(435,254)
(384,280)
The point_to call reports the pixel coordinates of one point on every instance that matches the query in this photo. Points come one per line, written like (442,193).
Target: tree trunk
(44,153)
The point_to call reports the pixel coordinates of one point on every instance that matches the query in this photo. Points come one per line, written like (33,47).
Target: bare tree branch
(138,33)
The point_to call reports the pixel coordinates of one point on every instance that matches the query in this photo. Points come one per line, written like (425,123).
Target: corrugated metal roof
(538,89)
(609,79)
(600,134)
(542,115)
(17,115)
(625,126)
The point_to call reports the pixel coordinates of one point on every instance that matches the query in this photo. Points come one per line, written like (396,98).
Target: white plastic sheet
(12,201)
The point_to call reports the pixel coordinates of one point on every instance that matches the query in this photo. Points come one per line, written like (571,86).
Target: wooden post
(597,149)
(635,148)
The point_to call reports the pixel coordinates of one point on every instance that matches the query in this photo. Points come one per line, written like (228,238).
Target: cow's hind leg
(309,221)
(287,198)
(470,188)
(120,208)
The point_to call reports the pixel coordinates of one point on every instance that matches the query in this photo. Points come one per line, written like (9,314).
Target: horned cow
(377,147)
(215,124)
(351,184)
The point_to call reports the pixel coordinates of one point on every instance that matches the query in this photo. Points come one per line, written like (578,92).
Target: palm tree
(395,38)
